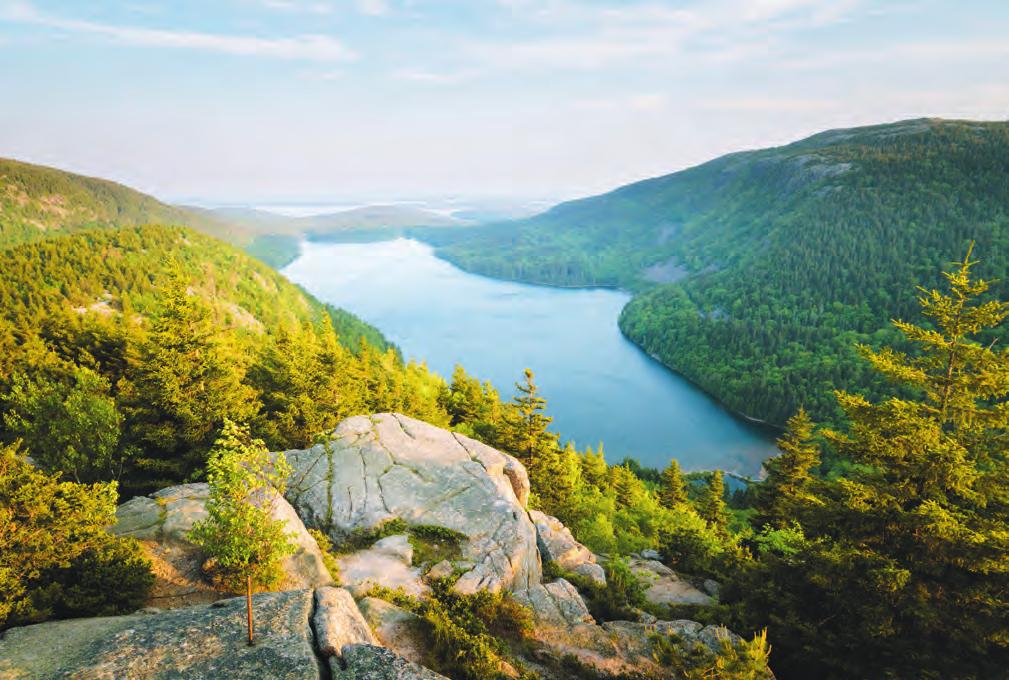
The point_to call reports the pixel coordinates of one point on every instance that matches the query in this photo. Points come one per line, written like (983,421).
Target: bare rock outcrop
(663,586)
(300,635)
(205,641)
(557,545)
(337,622)
(378,468)
(368,662)
(386,563)
(395,628)
(162,522)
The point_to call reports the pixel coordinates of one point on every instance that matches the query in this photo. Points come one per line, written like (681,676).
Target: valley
(601,388)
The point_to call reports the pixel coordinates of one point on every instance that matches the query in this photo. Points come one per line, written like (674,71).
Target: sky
(259,101)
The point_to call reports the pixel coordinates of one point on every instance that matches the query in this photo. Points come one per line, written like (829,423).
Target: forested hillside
(757,272)
(135,343)
(38,202)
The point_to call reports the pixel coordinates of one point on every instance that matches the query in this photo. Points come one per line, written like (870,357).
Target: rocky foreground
(373,470)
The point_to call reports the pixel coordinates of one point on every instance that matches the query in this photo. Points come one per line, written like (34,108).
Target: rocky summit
(371,471)
(388,466)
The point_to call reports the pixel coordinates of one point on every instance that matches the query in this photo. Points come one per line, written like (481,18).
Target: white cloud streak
(310,47)
(375,8)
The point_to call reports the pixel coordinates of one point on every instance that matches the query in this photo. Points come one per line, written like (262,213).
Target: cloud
(597,35)
(299,6)
(309,47)
(373,8)
(433,77)
(647,102)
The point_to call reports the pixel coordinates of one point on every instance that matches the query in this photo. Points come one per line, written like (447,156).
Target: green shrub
(432,544)
(468,635)
(618,600)
(696,661)
(56,557)
(360,539)
(112,578)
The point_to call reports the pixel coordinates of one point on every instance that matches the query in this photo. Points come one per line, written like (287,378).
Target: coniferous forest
(877,545)
(756,274)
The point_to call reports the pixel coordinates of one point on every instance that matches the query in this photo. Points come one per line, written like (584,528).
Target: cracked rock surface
(387,563)
(205,641)
(376,468)
(300,635)
(368,662)
(337,622)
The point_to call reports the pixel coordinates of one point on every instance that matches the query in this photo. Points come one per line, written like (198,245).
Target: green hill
(38,202)
(103,272)
(152,336)
(758,271)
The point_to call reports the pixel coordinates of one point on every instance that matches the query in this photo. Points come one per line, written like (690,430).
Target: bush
(56,558)
(696,661)
(619,600)
(467,634)
(112,578)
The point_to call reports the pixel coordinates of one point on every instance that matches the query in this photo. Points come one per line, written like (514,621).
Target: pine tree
(627,488)
(526,435)
(710,503)
(558,475)
(672,491)
(239,532)
(786,491)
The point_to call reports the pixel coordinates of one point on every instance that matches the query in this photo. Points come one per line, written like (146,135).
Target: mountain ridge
(753,270)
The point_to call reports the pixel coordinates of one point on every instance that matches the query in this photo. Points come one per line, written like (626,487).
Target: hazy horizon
(285,101)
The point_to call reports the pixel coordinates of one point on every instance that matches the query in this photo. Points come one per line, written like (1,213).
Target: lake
(599,386)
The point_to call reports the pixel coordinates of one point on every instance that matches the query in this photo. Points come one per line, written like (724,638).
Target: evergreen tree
(558,477)
(672,490)
(239,532)
(188,380)
(786,491)
(526,435)
(904,569)
(626,487)
(296,390)
(710,503)
(594,468)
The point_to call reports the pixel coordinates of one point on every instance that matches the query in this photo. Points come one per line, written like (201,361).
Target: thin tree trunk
(248,604)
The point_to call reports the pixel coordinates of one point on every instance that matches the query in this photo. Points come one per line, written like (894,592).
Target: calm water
(599,386)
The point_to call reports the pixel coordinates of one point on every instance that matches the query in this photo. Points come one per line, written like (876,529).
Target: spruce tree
(903,571)
(526,433)
(786,491)
(594,468)
(710,503)
(928,497)
(672,490)
(186,381)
